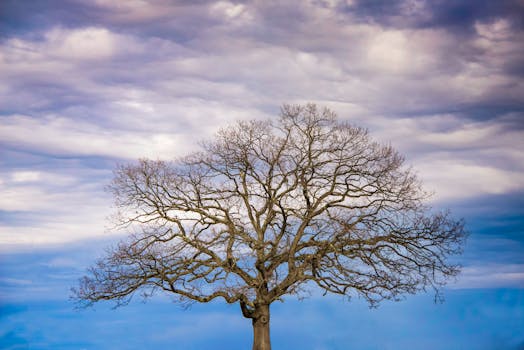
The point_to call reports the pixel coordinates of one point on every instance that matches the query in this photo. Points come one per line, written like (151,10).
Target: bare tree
(270,209)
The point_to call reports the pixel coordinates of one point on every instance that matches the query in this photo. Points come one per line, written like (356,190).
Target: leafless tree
(270,209)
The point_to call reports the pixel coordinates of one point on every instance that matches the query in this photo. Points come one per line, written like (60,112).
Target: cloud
(83,44)
(457,16)
(15,281)
(117,81)
(231,13)
(365,62)
(25,176)
(47,206)
(458,157)
(59,135)
(491,276)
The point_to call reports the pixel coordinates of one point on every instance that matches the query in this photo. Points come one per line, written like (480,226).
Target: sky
(89,84)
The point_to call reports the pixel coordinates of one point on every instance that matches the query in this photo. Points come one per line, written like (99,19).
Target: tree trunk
(261,339)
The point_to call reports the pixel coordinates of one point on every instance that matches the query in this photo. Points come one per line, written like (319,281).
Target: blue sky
(85,85)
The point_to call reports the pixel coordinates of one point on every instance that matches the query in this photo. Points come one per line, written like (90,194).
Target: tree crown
(269,208)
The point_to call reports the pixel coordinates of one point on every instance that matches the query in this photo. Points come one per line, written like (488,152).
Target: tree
(270,209)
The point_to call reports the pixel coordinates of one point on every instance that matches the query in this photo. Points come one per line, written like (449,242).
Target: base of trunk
(261,338)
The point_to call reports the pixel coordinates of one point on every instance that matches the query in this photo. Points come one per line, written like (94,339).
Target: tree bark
(261,338)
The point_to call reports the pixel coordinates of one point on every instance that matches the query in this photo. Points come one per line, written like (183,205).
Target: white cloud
(60,217)
(452,180)
(53,206)
(60,135)
(233,13)
(457,157)
(25,176)
(491,276)
(82,44)
(67,47)
(499,29)
(388,51)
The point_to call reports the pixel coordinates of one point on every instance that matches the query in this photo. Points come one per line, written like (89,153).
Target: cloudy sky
(88,84)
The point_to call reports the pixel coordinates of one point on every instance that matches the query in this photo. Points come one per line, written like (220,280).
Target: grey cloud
(458,16)
(97,83)
(431,69)
(384,71)
(184,20)
(176,20)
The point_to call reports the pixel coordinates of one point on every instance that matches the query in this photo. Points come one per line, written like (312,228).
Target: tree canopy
(275,208)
